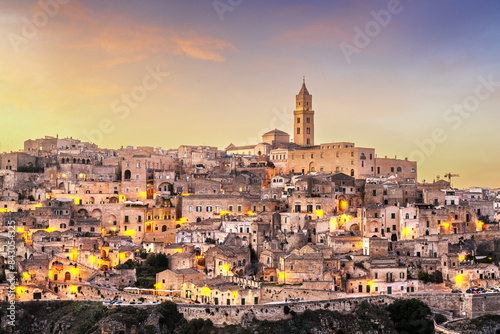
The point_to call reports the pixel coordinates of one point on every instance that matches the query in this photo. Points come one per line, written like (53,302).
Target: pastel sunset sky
(384,74)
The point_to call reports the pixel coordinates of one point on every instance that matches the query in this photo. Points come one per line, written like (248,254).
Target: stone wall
(232,315)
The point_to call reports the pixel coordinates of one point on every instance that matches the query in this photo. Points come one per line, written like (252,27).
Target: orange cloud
(203,48)
(124,40)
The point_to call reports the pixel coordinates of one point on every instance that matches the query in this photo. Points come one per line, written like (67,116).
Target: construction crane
(449,176)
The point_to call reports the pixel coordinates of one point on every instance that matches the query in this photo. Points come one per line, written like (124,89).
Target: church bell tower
(303,124)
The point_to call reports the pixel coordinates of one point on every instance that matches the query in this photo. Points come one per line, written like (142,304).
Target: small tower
(303,132)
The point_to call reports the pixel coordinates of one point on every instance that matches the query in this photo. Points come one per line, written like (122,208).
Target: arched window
(164,228)
(399,169)
(127,175)
(352,172)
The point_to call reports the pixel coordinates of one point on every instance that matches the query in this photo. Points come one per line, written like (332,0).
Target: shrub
(439,318)
(411,316)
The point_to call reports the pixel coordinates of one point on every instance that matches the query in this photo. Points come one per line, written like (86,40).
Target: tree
(411,316)
(170,315)
(158,261)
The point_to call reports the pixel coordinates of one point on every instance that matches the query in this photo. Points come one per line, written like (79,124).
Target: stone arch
(354,227)
(312,167)
(91,200)
(164,186)
(96,213)
(114,199)
(61,186)
(112,219)
(372,226)
(83,213)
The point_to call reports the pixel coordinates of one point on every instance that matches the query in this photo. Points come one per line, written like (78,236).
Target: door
(216,301)
(389,290)
(360,288)
(228,301)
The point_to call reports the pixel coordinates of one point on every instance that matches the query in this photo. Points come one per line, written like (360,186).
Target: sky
(410,78)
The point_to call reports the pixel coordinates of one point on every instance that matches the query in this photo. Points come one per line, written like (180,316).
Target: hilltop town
(277,221)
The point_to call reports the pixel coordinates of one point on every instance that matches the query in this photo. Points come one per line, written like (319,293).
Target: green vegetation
(359,265)
(146,274)
(403,316)
(411,316)
(439,318)
(435,277)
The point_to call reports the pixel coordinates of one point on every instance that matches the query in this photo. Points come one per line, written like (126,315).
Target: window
(308,120)
(239,208)
(190,208)
(209,209)
(126,219)
(138,165)
(198,208)
(374,192)
(308,131)
(298,131)
(230,208)
(139,218)
(310,267)
(393,216)
(291,267)
(298,118)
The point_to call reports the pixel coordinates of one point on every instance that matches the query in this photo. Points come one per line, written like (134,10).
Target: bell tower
(303,123)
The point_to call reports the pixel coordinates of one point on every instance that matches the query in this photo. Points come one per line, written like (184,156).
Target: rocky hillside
(66,317)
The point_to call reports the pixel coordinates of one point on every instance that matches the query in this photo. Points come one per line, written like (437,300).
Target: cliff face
(487,324)
(66,317)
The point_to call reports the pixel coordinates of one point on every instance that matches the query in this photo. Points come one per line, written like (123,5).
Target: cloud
(203,48)
(119,39)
